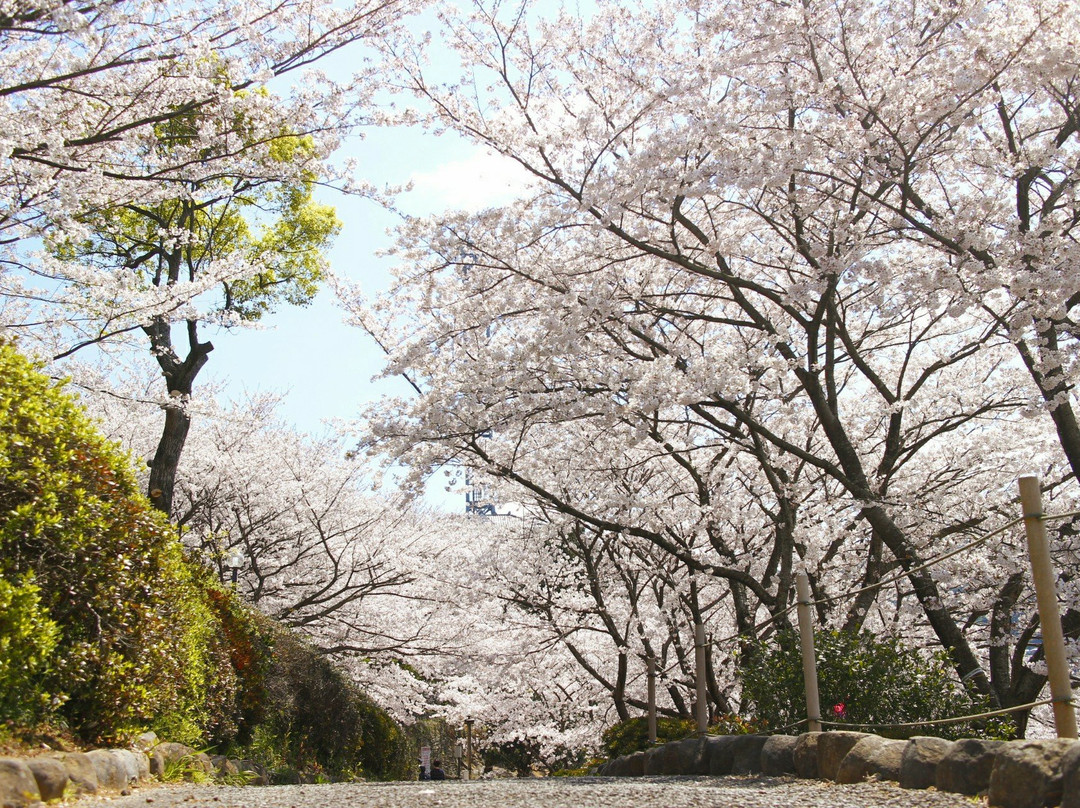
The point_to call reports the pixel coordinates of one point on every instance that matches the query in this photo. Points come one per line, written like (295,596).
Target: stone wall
(1014,774)
(24,781)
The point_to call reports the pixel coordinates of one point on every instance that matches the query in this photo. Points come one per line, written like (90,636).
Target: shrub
(631,736)
(27,640)
(862,679)
(315,720)
(137,643)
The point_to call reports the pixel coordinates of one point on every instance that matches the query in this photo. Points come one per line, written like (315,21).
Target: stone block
(806,755)
(110,772)
(81,772)
(223,767)
(146,741)
(18,787)
(157,763)
(693,756)
(719,749)
(918,766)
(129,764)
(746,754)
(652,764)
(635,764)
(1070,778)
(1028,774)
(873,756)
(832,748)
(51,777)
(778,755)
(967,766)
(262,776)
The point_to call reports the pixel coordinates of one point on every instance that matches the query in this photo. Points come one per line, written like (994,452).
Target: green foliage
(137,644)
(275,225)
(27,640)
(315,720)
(108,628)
(862,679)
(631,736)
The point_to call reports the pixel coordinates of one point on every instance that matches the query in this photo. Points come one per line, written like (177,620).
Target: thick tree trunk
(167,457)
(179,378)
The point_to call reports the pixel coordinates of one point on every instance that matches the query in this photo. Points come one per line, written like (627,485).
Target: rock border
(1012,774)
(52,776)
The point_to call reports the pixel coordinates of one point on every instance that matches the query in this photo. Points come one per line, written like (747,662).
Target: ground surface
(584,792)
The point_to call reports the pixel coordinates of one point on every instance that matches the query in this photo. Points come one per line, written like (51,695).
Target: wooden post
(701,709)
(809,661)
(1042,573)
(468,746)
(650,664)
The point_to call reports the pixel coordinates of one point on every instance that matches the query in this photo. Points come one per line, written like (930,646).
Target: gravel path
(584,792)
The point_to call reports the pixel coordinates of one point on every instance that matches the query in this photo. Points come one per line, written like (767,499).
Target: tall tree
(738,242)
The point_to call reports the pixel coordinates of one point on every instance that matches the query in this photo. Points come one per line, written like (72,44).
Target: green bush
(631,736)
(27,640)
(862,679)
(137,642)
(313,719)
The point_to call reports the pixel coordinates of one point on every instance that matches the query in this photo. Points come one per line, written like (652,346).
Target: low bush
(27,641)
(314,720)
(863,679)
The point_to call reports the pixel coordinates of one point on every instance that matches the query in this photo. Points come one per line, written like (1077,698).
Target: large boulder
(746,754)
(966,767)
(778,755)
(259,776)
(635,764)
(1028,774)
(720,750)
(613,768)
(146,741)
(129,764)
(806,755)
(18,787)
(832,748)
(51,777)
(872,757)
(918,766)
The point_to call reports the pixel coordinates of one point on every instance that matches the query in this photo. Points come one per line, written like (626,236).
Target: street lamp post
(234,561)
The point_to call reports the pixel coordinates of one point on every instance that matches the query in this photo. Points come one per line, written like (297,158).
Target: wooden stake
(702,706)
(809,660)
(651,673)
(1042,573)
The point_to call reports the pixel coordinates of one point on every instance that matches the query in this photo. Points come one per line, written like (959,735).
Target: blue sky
(323,368)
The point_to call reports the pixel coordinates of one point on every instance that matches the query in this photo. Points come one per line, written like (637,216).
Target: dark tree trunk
(179,378)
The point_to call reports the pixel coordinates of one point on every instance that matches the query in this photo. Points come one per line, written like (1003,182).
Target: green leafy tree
(123,618)
(258,237)
(862,679)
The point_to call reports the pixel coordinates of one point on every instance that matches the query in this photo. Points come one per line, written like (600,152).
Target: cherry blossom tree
(773,247)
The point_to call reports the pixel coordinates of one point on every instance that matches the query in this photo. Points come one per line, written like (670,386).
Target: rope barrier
(943,721)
